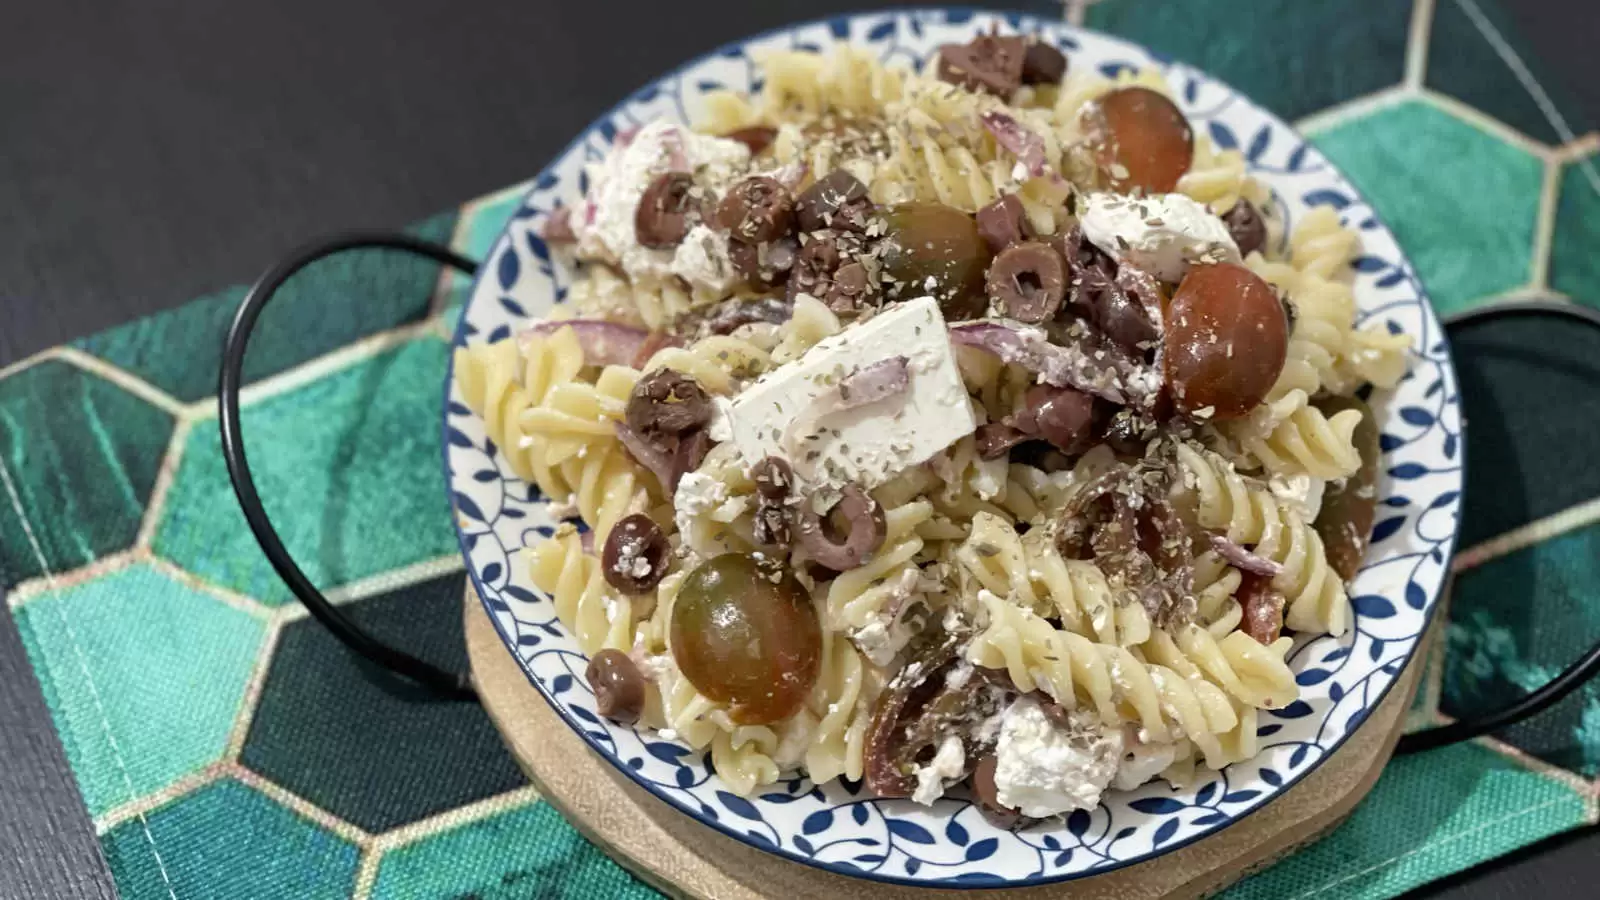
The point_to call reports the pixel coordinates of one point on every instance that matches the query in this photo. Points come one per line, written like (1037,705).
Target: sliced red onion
(879,381)
(1027,146)
(648,455)
(672,142)
(1093,365)
(558,227)
(1244,558)
(625,137)
(604,343)
(586,541)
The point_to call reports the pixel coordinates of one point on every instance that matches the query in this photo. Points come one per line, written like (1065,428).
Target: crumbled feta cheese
(566,509)
(795,736)
(702,260)
(947,765)
(866,444)
(1301,491)
(720,430)
(1141,760)
(989,476)
(1161,234)
(604,223)
(1042,770)
(697,494)
(667,734)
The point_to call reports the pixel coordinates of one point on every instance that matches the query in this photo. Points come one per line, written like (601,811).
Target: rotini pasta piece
(842,701)
(725,111)
(1116,683)
(860,596)
(1251,673)
(1215,583)
(720,362)
(499,381)
(1027,571)
(744,760)
(1375,356)
(600,292)
(572,449)
(801,85)
(1217,178)
(584,603)
(1320,245)
(1289,436)
(1248,513)
(811,322)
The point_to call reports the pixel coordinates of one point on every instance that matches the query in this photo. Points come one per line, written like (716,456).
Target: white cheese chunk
(1141,761)
(604,223)
(1043,770)
(947,765)
(1161,234)
(871,443)
(1301,491)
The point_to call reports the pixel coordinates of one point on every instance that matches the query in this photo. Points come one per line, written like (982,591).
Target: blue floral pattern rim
(838,827)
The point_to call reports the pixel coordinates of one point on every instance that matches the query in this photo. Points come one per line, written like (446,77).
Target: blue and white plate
(838,827)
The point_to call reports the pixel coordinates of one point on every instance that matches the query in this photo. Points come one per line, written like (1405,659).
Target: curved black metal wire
(456,686)
(1586,666)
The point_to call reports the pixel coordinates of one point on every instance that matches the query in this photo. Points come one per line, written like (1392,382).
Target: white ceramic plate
(837,827)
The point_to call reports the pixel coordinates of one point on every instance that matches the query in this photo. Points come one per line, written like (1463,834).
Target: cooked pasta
(870,490)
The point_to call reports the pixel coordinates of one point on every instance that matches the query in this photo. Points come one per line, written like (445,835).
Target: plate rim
(1024,21)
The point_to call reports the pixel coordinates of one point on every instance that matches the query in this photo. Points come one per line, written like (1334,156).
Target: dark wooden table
(151,152)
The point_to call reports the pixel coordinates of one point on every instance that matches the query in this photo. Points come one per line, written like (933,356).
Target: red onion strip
(647,455)
(881,380)
(1244,558)
(604,343)
(1093,366)
(1024,144)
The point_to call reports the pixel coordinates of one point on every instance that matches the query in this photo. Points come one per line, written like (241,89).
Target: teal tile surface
(362,745)
(82,455)
(527,852)
(1461,202)
(227,841)
(326,306)
(348,467)
(1575,245)
(1293,57)
(144,675)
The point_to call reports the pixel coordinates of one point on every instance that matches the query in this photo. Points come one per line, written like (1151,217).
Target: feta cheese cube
(866,444)
(1161,234)
(1043,770)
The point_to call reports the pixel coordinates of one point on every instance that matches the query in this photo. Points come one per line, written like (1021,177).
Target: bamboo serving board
(683,858)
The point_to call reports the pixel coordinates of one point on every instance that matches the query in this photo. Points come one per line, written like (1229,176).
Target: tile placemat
(227,747)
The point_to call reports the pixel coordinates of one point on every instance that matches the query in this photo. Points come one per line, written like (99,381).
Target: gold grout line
(1353,109)
(1570,519)
(1544,228)
(1578,148)
(151,802)
(301,806)
(227,596)
(315,369)
(165,476)
(44,584)
(458,817)
(367,872)
(1533,764)
(395,579)
(28,362)
(129,382)
(1418,35)
(1485,123)
(248,704)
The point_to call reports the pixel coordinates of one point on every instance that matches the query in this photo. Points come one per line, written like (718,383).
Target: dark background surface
(153,152)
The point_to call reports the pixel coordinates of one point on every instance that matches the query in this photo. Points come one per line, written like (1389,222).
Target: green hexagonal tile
(1295,58)
(348,467)
(526,852)
(143,675)
(83,454)
(1465,65)
(358,743)
(328,305)
(1463,203)
(1516,622)
(1575,245)
(226,840)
